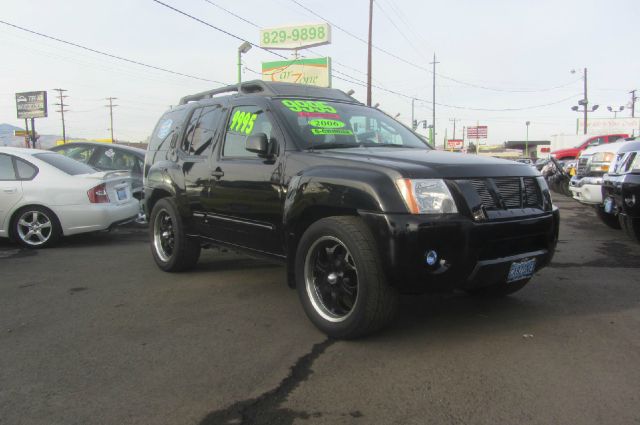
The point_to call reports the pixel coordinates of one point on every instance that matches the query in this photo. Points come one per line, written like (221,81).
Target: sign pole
(26,132)
(33,133)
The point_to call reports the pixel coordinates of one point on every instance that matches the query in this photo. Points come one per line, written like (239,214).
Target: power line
(423,68)
(157,68)
(351,79)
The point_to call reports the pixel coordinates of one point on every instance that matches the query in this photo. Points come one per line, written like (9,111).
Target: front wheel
(340,280)
(631,226)
(608,219)
(172,249)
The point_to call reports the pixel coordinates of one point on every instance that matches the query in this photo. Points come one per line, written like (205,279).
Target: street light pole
(244,48)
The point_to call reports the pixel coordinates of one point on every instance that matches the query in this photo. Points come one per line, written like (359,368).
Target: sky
(494,56)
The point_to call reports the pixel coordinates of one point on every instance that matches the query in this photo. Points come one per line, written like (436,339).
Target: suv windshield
(332,125)
(65,164)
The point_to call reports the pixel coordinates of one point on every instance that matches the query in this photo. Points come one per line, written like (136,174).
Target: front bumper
(587,190)
(471,254)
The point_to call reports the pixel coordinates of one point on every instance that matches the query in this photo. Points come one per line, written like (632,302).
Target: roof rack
(267,88)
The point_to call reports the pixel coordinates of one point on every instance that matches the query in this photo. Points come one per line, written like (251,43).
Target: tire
(35,227)
(608,219)
(172,250)
(352,298)
(631,226)
(498,290)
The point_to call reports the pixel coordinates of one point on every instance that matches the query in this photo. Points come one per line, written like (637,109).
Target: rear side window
(26,171)
(201,130)
(117,159)
(165,129)
(64,164)
(6,168)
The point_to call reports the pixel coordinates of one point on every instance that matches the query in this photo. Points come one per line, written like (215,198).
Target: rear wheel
(631,226)
(340,281)
(498,290)
(608,219)
(172,249)
(35,227)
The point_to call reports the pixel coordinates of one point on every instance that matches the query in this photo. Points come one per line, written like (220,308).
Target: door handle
(12,190)
(217,173)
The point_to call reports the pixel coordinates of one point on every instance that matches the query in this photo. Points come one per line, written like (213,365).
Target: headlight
(426,196)
(601,161)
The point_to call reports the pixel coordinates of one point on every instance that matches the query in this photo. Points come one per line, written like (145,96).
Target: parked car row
(45,195)
(608,178)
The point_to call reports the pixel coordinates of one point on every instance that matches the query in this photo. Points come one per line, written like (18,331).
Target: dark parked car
(357,205)
(621,191)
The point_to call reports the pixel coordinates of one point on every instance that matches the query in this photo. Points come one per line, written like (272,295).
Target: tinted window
(166,128)
(64,164)
(79,152)
(6,168)
(614,138)
(26,171)
(245,121)
(203,135)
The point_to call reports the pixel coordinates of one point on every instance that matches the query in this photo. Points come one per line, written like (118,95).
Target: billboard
(455,144)
(296,36)
(477,132)
(610,125)
(31,104)
(316,72)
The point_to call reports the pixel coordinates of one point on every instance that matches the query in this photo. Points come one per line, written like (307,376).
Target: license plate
(521,270)
(608,205)
(122,194)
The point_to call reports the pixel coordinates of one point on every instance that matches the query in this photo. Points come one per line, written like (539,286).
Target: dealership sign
(316,72)
(455,144)
(295,37)
(611,125)
(477,132)
(31,104)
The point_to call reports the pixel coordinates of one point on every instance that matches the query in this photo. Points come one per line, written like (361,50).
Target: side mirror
(258,143)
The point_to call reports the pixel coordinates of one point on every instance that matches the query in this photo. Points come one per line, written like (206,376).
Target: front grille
(581,169)
(508,192)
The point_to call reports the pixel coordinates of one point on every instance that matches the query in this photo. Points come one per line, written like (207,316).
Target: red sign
(478,132)
(456,144)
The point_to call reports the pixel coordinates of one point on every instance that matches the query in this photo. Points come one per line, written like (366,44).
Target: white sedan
(45,195)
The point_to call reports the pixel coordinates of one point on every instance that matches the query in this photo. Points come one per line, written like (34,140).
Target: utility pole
(62,110)
(586,101)
(433,101)
(454,126)
(111,106)
(633,103)
(369,53)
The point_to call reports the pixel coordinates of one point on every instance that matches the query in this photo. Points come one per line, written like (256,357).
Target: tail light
(98,194)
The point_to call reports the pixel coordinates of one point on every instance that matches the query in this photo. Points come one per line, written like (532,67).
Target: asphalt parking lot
(92,332)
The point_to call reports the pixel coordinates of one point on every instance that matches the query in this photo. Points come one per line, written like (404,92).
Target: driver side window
(243,122)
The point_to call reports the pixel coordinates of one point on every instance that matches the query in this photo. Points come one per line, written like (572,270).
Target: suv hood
(422,163)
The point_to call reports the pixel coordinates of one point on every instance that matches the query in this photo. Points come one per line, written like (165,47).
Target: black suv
(356,204)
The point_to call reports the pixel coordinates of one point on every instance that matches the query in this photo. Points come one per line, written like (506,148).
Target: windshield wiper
(332,146)
(385,145)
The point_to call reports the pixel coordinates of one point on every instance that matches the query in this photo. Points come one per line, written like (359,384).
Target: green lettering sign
(242,122)
(308,106)
(325,131)
(326,123)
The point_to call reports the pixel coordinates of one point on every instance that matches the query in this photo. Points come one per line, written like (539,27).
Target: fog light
(431,258)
